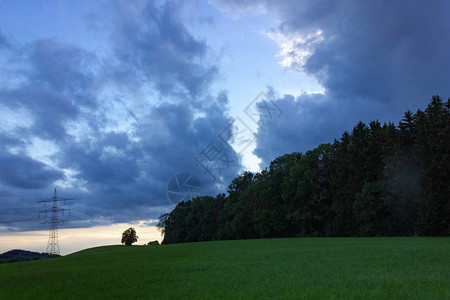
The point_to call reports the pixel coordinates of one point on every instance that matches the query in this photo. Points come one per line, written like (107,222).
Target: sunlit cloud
(295,48)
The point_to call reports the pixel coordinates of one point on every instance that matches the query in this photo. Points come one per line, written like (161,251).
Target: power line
(53,243)
(17,221)
(17,208)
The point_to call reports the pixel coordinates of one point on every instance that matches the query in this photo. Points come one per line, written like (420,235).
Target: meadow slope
(325,268)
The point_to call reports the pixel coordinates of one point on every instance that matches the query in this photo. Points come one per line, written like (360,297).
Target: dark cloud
(103,161)
(24,172)
(3,42)
(117,147)
(129,172)
(8,140)
(132,176)
(153,43)
(57,84)
(308,121)
(375,60)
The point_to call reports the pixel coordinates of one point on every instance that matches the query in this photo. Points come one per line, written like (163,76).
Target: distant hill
(17,255)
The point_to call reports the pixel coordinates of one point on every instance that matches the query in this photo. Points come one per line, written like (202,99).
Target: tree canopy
(377,180)
(129,236)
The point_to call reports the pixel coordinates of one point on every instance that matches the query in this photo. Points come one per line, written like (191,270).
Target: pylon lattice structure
(53,244)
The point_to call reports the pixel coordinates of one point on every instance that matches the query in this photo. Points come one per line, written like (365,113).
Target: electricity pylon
(53,244)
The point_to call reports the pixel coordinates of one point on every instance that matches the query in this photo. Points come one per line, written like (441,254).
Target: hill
(17,255)
(350,268)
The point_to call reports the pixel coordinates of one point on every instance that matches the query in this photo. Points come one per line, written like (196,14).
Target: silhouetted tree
(129,236)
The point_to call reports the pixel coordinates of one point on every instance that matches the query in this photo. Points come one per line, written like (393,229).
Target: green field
(316,268)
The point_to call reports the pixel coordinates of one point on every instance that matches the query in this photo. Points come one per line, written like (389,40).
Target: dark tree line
(377,180)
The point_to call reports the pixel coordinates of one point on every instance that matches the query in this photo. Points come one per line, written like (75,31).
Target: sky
(129,106)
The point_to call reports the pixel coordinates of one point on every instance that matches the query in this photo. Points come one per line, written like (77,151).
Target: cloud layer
(110,126)
(375,60)
(110,129)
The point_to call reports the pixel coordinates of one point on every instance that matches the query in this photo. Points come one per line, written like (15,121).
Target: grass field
(316,268)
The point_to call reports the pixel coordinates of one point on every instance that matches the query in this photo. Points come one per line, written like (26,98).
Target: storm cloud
(110,120)
(374,59)
(118,125)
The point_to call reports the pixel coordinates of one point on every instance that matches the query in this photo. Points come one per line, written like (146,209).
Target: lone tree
(129,236)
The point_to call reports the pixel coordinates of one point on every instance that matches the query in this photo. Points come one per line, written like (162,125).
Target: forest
(377,180)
